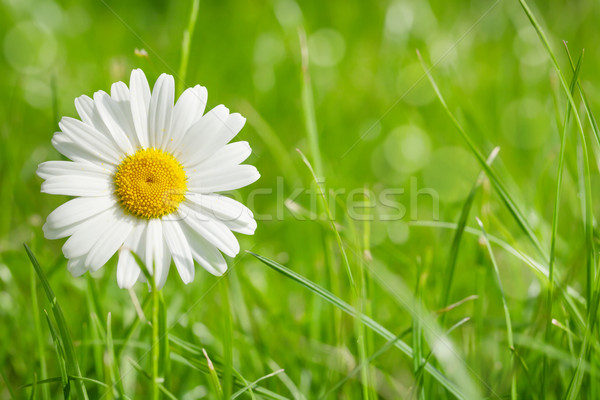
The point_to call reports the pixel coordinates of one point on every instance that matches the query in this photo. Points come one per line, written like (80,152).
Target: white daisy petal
(199,140)
(76,266)
(227,156)
(156,252)
(78,185)
(115,120)
(229,179)
(165,265)
(180,250)
(233,214)
(208,140)
(128,270)
(211,229)
(64,220)
(161,109)
(88,232)
(140,100)
(49,169)
(88,113)
(76,152)
(188,110)
(109,242)
(204,252)
(89,138)
(119,92)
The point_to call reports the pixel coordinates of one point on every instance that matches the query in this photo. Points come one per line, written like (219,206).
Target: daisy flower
(145,174)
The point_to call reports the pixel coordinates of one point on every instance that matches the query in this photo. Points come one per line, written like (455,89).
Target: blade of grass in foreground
(309,107)
(60,355)
(72,364)
(493,177)
(252,384)
(331,220)
(40,339)
(509,331)
(11,391)
(185,46)
(372,324)
(462,222)
(554,234)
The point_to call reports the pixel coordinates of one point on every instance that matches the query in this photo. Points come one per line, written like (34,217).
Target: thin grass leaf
(287,381)
(446,353)
(238,382)
(11,391)
(57,379)
(555,213)
(493,177)
(110,361)
(163,334)
(186,43)
(33,393)
(509,331)
(227,375)
(40,339)
(568,293)
(72,364)
(388,345)
(417,338)
(134,325)
(60,355)
(160,386)
(214,378)
(253,384)
(308,106)
(456,240)
(334,228)
(372,324)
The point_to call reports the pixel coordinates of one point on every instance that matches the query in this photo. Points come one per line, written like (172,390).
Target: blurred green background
(380,127)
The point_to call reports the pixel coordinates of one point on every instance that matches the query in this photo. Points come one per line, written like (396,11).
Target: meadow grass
(426,220)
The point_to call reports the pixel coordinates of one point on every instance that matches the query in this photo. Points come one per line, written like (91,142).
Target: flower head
(146,174)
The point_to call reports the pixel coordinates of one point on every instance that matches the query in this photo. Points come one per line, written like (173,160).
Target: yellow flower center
(150,183)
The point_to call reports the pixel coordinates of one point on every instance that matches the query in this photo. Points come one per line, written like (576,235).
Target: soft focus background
(380,127)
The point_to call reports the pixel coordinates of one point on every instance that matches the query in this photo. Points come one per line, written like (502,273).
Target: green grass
(337,295)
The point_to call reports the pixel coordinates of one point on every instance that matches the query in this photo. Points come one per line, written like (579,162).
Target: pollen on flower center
(150,183)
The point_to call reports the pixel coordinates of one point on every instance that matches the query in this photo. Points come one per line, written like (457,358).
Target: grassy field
(435,237)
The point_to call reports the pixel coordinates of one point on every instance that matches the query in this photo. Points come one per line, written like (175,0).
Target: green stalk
(227,375)
(38,335)
(186,43)
(559,175)
(308,105)
(154,345)
(509,331)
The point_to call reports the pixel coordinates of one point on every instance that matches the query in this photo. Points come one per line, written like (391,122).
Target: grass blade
(493,177)
(227,374)
(60,354)
(509,331)
(376,327)
(555,213)
(214,378)
(308,106)
(186,43)
(72,364)
(11,391)
(40,339)
(456,240)
(253,384)
(331,220)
